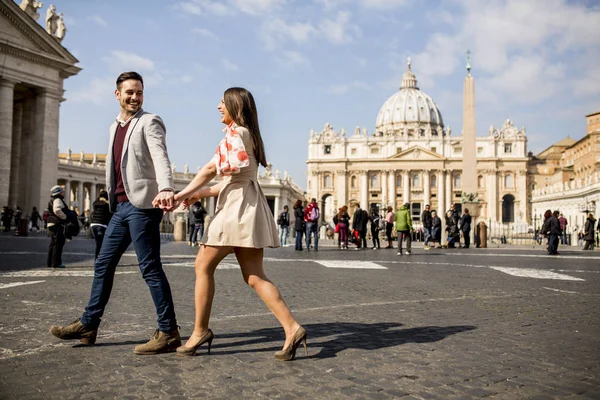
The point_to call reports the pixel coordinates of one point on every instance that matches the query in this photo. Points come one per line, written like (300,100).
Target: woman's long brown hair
(242,108)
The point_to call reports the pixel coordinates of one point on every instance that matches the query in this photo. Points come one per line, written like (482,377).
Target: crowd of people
(353,230)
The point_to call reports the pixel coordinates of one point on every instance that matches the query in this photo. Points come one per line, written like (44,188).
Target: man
(311,218)
(57,218)
(563,227)
(284,222)
(359,224)
(404,227)
(465,227)
(140,187)
(426,220)
(555,233)
(197,214)
(452,220)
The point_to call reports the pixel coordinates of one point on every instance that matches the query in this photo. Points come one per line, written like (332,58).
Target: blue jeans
(283,233)
(142,227)
(98,234)
(299,235)
(427,232)
(312,227)
(197,228)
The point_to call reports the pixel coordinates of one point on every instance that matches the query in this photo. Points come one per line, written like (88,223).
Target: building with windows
(412,157)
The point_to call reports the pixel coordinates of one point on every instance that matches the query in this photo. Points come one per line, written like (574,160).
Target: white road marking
(191,265)
(56,273)
(350,264)
(575,270)
(558,290)
(15,284)
(570,256)
(535,273)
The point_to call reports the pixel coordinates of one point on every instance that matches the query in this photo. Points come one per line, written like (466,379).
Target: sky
(312,62)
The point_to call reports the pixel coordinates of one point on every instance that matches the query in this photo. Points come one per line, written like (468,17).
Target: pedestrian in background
(343,225)
(589,232)
(426,221)
(7,215)
(404,228)
(299,224)
(436,229)
(389,226)
(99,219)
(35,218)
(359,225)
(452,229)
(311,218)
(563,227)
(375,220)
(18,215)
(283,221)
(545,229)
(57,218)
(198,213)
(555,233)
(465,227)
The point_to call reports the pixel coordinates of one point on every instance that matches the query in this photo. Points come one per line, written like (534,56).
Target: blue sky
(309,62)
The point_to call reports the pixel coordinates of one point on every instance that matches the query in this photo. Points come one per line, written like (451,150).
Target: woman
(589,232)
(242,224)
(343,223)
(389,227)
(374,218)
(452,229)
(299,226)
(99,220)
(436,230)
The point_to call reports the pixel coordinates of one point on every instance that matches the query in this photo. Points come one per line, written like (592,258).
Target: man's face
(130,96)
(427,208)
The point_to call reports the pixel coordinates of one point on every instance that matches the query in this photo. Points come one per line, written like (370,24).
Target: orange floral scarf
(231,154)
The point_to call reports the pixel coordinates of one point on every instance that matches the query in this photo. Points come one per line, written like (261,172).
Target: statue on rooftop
(61,29)
(30,7)
(51,18)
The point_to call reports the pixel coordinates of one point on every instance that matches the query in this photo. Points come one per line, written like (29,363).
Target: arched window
(457,180)
(433,181)
(327,181)
(398,181)
(374,181)
(416,181)
(353,182)
(480,182)
(509,182)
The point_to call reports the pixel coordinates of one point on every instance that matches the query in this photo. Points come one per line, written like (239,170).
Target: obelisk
(469,163)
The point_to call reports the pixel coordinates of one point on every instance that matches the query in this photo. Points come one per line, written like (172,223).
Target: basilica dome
(409,112)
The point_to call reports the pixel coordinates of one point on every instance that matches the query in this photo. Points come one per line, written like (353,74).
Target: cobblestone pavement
(438,324)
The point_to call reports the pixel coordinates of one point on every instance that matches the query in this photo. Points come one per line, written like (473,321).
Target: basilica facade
(412,157)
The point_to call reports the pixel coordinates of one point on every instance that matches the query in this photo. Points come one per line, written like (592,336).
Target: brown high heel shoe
(191,351)
(289,353)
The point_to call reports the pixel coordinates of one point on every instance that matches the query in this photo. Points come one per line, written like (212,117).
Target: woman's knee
(255,280)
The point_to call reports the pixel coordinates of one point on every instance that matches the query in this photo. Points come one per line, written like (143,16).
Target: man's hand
(186,201)
(164,200)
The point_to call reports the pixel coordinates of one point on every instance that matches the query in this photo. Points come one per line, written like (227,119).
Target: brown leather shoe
(161,342)
(76,330)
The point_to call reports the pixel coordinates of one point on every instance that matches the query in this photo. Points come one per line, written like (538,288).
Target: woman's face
(225,116)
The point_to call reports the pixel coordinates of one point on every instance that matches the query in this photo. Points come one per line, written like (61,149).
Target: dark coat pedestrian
(299,225)
(465,227)
(99,219)
(35,218)
(589,232)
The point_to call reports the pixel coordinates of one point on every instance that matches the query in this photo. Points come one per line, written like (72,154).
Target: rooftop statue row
(55,25)
(508,130)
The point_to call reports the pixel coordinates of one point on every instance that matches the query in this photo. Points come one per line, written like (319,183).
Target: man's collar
(119,121)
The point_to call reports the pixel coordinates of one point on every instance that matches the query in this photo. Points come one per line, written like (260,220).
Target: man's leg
(116,241)
(467,236)
(315,229)
(400,237)
(59,243)
(408,241)
(51,246)
(308,230)
(285,235)
(144,226)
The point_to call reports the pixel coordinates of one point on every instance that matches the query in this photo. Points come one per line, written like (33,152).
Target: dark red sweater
(117,153)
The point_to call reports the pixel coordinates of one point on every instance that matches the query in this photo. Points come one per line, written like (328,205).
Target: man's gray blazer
(145,164)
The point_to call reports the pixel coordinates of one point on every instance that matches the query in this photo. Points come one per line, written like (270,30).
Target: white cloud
(98,91)
(186,79)
(257,7)
(369,4)
(100,21)
(124,60)
(276,30)
(204,33)
(343,88)
(190,7)
(290,59)
(339,30)
(228,65)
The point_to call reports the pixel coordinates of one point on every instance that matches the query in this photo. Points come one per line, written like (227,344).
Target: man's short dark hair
(125,76)
(313,200)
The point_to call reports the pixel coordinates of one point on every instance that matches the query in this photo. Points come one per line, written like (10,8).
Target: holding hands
(165,201)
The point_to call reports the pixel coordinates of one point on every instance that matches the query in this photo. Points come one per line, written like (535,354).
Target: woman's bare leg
(251,261)
(206,262)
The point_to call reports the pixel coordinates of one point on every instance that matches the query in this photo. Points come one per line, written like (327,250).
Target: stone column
(449,199)
(211,206)
(93,194)
(80,198)
(441,208)
(384,187)
(521,186)
(27,123)
(405,187)
(492,193)
(44,146)
(341,188)
(314,186)
(68,193)
(364,194)
(7,89)
(278,205)
(392,189)
(426,188)
(13,195)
